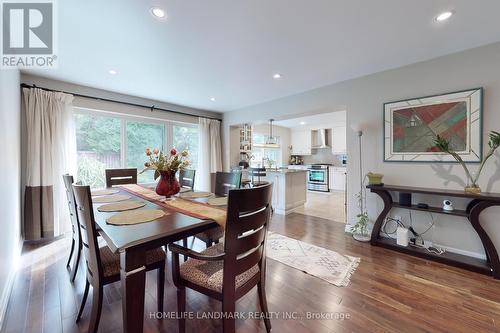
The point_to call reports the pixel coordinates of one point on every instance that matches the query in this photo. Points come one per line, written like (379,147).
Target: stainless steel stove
(317,177)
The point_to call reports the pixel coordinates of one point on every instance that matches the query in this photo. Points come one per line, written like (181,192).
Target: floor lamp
(359,129)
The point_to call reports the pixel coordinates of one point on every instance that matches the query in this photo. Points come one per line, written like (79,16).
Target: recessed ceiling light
(213,99)
(444,16)
(302,122)
(158,12)
(112,72)
(277,76)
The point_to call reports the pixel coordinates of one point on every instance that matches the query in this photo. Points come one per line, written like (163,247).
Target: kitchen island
(289,189)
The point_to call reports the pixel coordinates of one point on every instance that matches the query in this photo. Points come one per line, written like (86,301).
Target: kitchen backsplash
(323,156)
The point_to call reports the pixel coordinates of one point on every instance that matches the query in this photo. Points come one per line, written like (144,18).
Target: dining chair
(186,178)
(76,238)
(103,266)
(257,173)
(121,176)
(229,270)
(224,182)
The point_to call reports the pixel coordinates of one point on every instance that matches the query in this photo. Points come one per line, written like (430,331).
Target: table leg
(489,247)
(387,198)
(133,280)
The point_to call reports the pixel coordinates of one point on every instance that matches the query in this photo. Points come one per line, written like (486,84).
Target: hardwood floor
(389,292)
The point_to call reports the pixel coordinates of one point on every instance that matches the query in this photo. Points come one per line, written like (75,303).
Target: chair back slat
(248,216)
(121,176)
(186,178)
(88,230)
(248,261)
(251,220)
(68,183)
(226,181)
(250,240)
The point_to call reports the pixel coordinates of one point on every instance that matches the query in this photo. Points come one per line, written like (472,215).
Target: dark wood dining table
(132,242)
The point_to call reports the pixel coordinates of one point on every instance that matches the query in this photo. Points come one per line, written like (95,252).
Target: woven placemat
(103,192)
(221,201)
(121,206)
(196,194)
(110,198)
(135,216)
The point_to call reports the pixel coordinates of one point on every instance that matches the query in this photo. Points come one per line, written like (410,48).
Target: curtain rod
(152,107)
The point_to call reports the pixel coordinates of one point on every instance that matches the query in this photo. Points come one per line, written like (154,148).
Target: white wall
(363,99)
(10,179)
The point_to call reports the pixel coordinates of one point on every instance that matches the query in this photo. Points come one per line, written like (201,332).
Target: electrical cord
(431,249)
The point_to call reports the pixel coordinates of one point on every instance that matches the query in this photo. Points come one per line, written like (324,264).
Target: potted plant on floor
(360,230)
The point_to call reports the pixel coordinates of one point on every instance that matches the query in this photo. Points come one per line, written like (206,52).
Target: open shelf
(449,258)
(439,210)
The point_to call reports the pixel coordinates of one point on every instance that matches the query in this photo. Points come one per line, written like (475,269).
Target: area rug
(327,265)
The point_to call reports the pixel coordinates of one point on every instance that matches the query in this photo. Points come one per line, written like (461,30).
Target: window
(98,141)
(106,141)
(263,154)
(140,136)
(186,137)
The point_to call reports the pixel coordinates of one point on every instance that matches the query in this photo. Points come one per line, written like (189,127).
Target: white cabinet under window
(339,140)
(301,142)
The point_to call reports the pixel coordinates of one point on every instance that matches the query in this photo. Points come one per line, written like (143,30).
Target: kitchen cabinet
(301,142)
(337,177)
(289,189)
(339,140)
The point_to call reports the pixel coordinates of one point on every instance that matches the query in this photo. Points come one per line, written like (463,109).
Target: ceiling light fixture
(158,12)
(213,99)
(277,76)
(112,72)
(444,16)
(302,122)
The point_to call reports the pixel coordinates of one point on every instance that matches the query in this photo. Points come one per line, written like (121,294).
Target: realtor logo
(28,35)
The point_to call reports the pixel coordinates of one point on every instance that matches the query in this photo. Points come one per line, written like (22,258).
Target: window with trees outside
(186,137)
(107,141)
(98,141)
(265,155)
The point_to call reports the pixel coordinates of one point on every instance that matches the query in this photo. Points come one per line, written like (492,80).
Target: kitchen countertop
(284,171)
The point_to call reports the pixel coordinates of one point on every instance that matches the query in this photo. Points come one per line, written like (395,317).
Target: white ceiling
(323,120)
(230,49)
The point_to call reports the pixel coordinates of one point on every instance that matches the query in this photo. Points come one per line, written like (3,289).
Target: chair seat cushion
(213,234)
(111,261)
(209,274)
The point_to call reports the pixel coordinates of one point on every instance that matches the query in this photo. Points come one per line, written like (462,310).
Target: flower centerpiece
(165,167)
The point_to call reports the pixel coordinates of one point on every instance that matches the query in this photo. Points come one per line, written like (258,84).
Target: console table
(478,203)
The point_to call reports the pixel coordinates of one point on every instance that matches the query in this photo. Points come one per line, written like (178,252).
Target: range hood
(319,139)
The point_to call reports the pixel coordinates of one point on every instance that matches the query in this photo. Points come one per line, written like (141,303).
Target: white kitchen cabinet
(337,178)
(301,142)
(339,140)
(289,189)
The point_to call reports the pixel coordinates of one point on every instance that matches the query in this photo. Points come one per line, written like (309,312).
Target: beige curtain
(210,152)
(51,152)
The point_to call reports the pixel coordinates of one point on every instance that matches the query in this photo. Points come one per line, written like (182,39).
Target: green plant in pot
(472,178)
(360,230)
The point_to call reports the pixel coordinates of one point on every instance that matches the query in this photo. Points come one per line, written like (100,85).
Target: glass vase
(168,184)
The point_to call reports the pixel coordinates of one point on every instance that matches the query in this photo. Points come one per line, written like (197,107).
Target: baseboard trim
(463,252)
(4,299)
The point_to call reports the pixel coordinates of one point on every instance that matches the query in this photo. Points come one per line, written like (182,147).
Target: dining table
(133,241)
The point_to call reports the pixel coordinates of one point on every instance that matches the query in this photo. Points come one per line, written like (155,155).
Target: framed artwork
(410,127)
